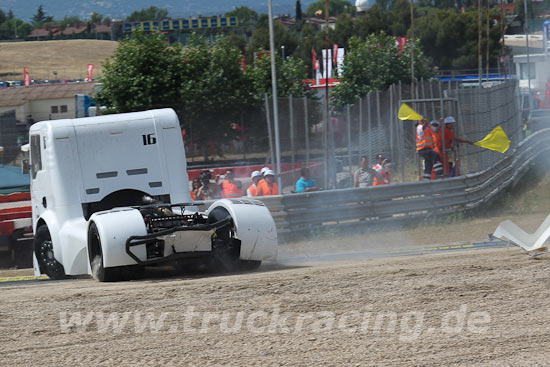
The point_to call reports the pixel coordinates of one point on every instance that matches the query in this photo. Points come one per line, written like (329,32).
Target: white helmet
(255,174)
(449,119)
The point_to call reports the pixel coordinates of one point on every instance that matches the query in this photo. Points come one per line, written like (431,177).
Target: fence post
(242,138)
(369,135)
(391,122)
(432,96)
(269,134)
(360,146)
(402,137)
(293,155)
(423,96)
(325,143)
(306,126)
(443,153)
(378,111)
(348,118)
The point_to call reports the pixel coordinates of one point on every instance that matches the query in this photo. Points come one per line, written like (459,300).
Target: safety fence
(399,202)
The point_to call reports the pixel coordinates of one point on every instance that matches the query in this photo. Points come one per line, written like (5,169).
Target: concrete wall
(42,109)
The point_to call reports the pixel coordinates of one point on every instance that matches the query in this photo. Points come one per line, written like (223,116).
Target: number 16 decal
(149,139)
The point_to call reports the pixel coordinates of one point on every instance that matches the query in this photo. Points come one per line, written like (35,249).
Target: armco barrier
(404,201)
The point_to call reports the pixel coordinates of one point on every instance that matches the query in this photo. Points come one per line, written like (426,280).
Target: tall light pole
(527,45)
(275,104)
(412,51)
(479,61)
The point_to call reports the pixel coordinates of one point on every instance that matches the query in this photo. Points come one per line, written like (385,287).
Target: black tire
(99,272)
(249,265)
(43,248)
(226,257)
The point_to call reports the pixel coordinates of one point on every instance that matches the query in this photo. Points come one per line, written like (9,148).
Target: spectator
(450,140)
(256,176)
(262,171)
(231,188)
(195,189)
(305,183)
(268,186)
(382,167)
(425,149)
(364,176)
(209,190)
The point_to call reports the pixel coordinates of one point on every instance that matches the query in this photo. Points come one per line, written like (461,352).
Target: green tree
(374,64)
(40,17)
(298,10)
(247,17)
(450,38)
(283,37)
(96,18)
(335,7)
(214,89)
(373,21)
(143,73)
(290,77)
(151,13)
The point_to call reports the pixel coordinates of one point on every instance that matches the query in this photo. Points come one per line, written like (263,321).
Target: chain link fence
(333,150)
(371,127)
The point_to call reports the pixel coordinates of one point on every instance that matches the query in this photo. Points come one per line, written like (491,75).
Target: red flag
(90,71)
(402,42)
(26,77)
(334,54)
(243,65)
(315,61)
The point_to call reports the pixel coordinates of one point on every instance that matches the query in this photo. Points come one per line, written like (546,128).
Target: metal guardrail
(403,201)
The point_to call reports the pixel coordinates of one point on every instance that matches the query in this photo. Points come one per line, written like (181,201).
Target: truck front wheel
(43,248)
(96,257)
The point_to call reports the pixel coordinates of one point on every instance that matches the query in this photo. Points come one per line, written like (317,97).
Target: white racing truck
(110,195)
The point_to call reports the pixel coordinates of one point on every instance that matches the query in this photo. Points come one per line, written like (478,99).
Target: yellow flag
(407,113)
(495,140)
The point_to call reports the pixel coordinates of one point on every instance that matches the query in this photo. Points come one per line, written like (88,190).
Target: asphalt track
(363,255)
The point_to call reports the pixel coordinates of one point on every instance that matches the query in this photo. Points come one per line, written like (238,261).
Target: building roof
(74,30)
(102,28)
(16,96)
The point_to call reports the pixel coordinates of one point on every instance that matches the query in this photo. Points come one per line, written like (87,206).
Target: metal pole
(349,141)
(360,145)
(488,41)
(432,96)
(391,121)
(502,37)
(293,155)
(269,134)
(423,95)
(275,105)
(528,53)
(327,110)
(369,120)
(479,65)
(402,140)
(442,107)
(306,126)
(412,49)
(379,125)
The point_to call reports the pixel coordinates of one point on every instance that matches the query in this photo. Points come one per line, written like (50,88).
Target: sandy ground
(479,307)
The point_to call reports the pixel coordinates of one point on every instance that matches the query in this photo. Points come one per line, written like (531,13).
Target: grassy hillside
(69,58)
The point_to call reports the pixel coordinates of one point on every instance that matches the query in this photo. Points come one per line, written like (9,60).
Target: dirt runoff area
(487,307)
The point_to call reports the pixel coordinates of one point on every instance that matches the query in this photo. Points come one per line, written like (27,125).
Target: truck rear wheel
(43,248)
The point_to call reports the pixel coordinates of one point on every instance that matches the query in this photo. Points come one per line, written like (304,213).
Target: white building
(44,101)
